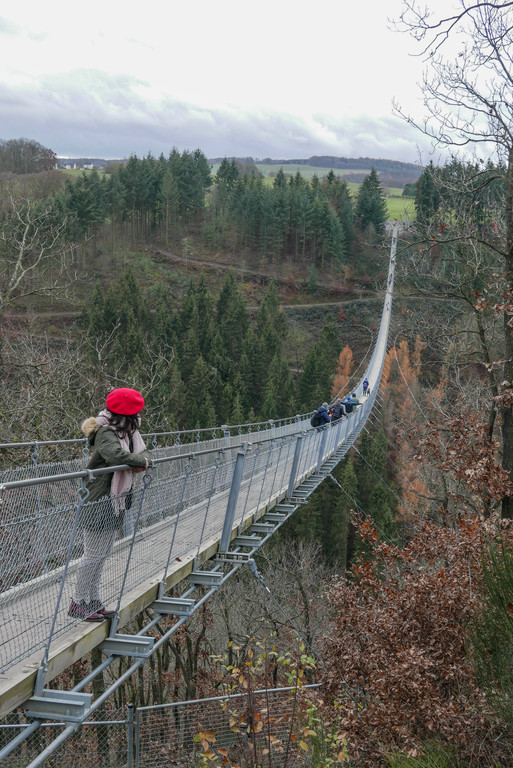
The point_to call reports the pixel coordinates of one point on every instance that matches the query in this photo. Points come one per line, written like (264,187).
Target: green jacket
(107,452)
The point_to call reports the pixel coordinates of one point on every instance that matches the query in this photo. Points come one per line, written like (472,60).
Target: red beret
(125,401)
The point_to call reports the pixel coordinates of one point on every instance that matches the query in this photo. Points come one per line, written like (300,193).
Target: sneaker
(97,606)
(81,610)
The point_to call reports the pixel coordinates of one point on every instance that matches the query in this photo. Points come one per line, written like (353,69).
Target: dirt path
(268,275)
(51,313)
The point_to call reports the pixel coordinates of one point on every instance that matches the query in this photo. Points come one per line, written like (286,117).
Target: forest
(398,538)
(397,575)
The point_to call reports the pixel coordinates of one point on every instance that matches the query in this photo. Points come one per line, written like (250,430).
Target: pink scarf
(121,479)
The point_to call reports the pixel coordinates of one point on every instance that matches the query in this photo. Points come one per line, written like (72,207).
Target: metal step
(263,527)
(233,557)
(138,646)
(275,517)
(206,578)
(285,507)
(247,541)
(70,706)
(175,606)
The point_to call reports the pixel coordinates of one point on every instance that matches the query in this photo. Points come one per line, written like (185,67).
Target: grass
(305,170)
(401,208)
(75,172)
(269,170)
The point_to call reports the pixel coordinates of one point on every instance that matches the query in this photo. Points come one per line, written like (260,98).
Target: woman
(114,439)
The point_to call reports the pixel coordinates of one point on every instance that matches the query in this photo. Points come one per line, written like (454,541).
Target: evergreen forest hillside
(229,298)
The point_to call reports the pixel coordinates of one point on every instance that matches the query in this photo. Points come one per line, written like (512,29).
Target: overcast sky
(277,78)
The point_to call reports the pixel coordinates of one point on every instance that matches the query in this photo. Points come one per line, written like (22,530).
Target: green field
(401,208)
(75,173)
(269,170)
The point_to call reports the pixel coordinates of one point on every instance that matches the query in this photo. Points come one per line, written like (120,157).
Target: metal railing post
(339,430)
(220,454)
(130,736)
(232,501)
(287,461)
(188,468)
(137,738)
(250,483)
(147,478)
(277,464)
(321,449)
(34,457)
(295,464)
(83,494)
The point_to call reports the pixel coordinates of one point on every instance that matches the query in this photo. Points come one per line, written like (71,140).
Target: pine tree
(237,414)
(228,173)
(427,197)
(342,203)
(252,369)
(189,354)
(170,197)
(371,207)
(279,390)
(337,549)
(232,318)
(381,512)
(200,408)
(319,368)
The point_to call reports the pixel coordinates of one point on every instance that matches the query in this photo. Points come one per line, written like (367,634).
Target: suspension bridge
(209,500)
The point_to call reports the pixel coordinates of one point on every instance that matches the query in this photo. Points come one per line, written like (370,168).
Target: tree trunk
(507,412)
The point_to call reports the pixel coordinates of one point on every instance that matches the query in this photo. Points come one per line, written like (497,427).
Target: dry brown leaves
(398,640)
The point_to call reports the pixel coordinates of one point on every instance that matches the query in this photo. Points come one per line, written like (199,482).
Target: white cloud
(8,27)
(285,79)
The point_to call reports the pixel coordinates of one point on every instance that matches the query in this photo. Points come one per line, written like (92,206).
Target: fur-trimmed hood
(89,427)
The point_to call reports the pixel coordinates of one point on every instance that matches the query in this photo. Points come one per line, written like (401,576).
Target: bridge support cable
(206,506)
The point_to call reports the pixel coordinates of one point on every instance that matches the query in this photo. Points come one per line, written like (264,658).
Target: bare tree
(468,97)
(35,257)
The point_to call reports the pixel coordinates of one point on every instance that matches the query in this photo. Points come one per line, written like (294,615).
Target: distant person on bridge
(351,402)
(320,417)
(365,386)
(337,410)
(114,439)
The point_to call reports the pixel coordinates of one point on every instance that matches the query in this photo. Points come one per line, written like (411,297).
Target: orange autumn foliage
(343,372)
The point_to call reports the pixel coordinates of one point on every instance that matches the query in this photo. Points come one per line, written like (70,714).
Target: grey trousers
(97,547)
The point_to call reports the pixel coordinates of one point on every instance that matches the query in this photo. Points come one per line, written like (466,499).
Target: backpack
(315,421)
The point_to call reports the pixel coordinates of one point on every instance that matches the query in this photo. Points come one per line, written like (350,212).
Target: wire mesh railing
(23,458)
(262,727)
(41,547)
(177,506)
(106,741)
